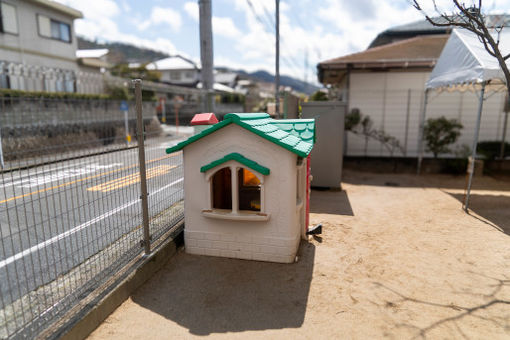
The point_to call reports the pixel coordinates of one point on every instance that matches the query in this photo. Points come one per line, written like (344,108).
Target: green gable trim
(296,136)
(234,156)
(196,137)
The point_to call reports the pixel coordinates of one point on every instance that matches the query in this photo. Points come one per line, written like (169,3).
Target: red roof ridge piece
(204,119)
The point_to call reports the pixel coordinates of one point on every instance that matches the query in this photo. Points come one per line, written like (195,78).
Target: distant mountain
(296,84)
(123,53)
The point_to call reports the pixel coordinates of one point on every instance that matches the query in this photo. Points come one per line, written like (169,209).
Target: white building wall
(384,97)
(28,47)
(275,240)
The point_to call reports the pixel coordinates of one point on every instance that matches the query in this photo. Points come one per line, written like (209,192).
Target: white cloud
(94,8)
(99,22)
(125,6)
(160,15)
(225,26)
(191,8)
(335,28)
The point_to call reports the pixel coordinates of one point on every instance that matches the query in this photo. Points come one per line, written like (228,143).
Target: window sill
(240,216)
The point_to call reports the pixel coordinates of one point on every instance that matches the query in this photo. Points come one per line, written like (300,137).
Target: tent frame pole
(421,132)
(471,166)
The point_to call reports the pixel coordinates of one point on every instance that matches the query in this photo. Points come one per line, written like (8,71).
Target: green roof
(295,135)
(241,159)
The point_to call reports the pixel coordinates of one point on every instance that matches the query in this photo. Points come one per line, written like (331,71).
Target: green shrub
(352,119)
(491,149)
(439,133)
(319,96)
(117,92)
(7,93)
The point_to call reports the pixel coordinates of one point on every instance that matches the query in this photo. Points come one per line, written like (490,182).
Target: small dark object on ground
(391,184)
(315,230)
(320,188)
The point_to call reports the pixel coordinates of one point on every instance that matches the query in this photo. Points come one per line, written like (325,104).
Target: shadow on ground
(218,295)
(493,309)
(330,202)
(493,208)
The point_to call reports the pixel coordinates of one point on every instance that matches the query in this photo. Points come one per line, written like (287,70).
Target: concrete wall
(384,96)
(29,47)
(274,240)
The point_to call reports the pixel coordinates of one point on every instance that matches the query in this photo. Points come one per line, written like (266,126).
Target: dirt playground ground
(397,259)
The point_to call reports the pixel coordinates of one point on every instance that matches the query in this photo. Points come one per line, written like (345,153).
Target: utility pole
(277,61)
(206,53)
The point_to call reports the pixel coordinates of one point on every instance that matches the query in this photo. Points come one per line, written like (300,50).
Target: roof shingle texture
(418,48)
(294,135)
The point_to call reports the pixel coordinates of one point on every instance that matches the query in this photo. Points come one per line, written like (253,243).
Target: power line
(267,24)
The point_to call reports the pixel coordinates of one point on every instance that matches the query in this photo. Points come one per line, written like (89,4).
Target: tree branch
(471,19)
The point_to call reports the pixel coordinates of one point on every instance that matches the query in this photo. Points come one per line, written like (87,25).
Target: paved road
(54,217)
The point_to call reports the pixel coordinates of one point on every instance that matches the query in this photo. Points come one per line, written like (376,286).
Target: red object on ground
(204,119)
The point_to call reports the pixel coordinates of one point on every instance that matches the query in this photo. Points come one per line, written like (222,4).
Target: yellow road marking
(84,179)
(131,179)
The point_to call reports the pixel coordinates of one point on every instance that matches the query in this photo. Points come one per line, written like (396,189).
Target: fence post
(141,159)
(408,111)
(1,150)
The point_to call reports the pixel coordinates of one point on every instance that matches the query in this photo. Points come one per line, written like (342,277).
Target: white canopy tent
(464,64)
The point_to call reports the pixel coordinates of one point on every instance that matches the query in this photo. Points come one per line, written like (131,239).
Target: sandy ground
(398,258)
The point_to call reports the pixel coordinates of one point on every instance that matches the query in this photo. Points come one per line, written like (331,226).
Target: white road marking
(39,172)
(59,237)
(62,174)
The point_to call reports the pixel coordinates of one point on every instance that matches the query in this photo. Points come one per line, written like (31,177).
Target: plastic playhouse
(246,186)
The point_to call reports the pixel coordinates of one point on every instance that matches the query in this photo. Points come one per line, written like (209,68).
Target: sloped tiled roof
(423,27)
(418,51)
(296,136)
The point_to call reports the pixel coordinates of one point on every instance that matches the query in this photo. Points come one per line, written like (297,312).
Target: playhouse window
(249,190)
(222,189)
(237,193)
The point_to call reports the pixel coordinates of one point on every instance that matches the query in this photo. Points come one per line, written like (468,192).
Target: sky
(243,30)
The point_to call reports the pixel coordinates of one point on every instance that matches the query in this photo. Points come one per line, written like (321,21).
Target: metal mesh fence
(396,114)
(70,212)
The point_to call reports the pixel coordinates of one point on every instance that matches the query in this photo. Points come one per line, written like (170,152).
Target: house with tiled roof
(424,27)
(245,184)
(387,82)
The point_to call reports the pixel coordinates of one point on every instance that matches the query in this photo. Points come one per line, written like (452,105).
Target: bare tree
(472,19)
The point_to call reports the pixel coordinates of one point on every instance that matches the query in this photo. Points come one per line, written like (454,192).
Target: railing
(18,76)
(70,208)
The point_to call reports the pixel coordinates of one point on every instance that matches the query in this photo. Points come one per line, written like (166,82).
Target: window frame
(2,30)
(235,213)
(70,41)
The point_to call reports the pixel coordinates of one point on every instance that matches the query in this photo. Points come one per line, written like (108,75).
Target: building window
(175,75)
(8,18)
(53,29)
(222,189)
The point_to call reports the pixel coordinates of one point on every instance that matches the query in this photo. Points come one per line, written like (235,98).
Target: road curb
(80,326)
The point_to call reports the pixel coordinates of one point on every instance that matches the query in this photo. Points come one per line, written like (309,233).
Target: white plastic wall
(275,240)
